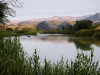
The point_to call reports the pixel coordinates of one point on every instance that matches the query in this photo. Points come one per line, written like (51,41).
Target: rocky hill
(48,25)
(66,24)
(56,22)
(60,18)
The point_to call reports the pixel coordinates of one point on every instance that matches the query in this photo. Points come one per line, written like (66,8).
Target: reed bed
(14,61)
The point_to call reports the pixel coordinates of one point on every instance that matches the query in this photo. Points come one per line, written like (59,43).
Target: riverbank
(18,32)
(80,33)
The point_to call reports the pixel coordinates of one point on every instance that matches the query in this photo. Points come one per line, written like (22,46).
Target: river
(54,46)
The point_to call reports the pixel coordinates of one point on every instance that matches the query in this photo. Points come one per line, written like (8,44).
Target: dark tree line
(83,24)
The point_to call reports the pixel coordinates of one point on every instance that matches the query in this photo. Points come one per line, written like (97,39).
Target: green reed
(14,61)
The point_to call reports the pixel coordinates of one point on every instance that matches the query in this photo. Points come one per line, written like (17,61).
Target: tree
(6,10)
(83,24)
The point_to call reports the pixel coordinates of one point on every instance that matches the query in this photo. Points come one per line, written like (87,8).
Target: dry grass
(26,26)
(98,27)
(12,26)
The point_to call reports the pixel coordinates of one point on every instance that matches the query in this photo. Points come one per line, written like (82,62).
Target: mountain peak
(95,17)
(97,14)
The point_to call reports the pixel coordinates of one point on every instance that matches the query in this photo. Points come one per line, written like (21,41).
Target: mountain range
(56,21)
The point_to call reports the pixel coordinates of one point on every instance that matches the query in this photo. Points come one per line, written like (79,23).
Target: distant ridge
(56,22)
(15,21)
(94,17)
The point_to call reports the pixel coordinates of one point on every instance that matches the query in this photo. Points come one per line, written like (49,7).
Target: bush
(97,34)
(83,24)
(88,33)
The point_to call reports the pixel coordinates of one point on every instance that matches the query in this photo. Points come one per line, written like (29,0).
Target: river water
(54,46)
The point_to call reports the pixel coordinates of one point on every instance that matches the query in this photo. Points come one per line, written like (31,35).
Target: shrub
(96,34)
(83,24)
(88,33)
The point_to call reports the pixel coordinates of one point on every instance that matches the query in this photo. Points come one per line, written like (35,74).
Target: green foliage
(97,34)
(10,32)
(26,32)
(84,65)
(95,26)
(6,11)
(88,33)
(71,27)
(84,43)
(83,24)
(66,31)
(11,57)
(84,32)
(14,61)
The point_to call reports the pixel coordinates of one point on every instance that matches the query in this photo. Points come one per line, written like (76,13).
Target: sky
(33,9)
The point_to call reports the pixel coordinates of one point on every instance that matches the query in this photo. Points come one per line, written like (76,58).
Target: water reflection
(80,43)
(54,46)
(85,43)
(51,39)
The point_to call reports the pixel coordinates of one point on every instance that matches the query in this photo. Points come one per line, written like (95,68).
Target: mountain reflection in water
(80,43)
(55,46)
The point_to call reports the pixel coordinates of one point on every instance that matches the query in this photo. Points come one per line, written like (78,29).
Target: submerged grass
(14,61)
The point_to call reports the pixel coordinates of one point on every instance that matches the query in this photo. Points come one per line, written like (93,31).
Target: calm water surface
(53,47)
